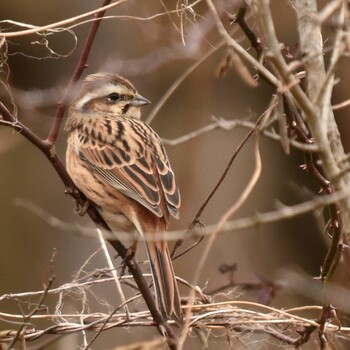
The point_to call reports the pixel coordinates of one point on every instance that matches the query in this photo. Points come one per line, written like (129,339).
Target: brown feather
(127,166)
(120,164)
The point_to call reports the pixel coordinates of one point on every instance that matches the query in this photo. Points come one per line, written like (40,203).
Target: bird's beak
(139,101)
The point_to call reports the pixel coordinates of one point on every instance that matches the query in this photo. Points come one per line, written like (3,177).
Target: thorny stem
(335,225)
(312,111)
(333,254)
(316,66)
(247,30)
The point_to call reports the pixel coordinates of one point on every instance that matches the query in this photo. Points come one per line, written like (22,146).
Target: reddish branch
(247,30)
(82,64)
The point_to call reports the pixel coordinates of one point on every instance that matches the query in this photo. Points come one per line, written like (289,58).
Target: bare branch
(284,212)
(240,50)
(341,105)
(222,177)
(180,80)
(65,22)
(52,137)
(113,270)
(241,316)
(227,125)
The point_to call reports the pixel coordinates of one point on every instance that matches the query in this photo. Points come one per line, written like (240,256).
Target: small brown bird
(120,164)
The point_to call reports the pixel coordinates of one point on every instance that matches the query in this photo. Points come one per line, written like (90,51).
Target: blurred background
(153,54)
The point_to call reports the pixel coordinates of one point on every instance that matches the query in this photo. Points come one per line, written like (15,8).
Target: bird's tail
(166,288)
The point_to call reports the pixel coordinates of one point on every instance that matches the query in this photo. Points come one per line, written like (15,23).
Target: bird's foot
(130,254)
(81,210)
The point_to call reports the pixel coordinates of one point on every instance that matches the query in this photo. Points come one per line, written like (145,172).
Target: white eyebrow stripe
(102,91)
(87,97)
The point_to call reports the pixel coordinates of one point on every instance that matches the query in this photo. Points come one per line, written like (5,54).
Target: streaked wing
(136,165)
(169,187)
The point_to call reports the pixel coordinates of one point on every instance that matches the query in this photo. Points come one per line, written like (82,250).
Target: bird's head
(109,94)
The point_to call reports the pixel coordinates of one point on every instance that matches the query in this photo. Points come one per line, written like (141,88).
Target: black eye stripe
(126,108)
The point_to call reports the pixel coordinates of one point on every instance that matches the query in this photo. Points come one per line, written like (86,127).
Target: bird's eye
(114,97)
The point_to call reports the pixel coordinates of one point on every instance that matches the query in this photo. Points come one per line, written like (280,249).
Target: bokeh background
(151,53)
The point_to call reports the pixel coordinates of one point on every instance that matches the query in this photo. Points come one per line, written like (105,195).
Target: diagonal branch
(82,64)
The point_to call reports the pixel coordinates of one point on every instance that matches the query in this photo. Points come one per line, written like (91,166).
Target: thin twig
(223,175)
(113,271)
(180,80)
(38,305)
(240,50)
(284,212)
(227,125)
(207,247)
(60,23)
(240,19)
(341,105)
(242,316)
